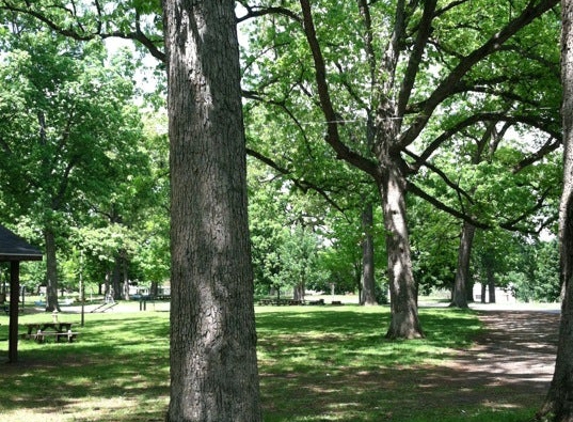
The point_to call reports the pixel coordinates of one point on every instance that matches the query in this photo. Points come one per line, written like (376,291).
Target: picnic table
(281,302)
(40,330)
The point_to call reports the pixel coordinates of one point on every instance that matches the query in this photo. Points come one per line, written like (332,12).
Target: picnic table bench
(58,330)
(6,308)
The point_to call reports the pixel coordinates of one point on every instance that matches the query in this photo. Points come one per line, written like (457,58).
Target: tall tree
(558,406)
(214,373)
(393,69)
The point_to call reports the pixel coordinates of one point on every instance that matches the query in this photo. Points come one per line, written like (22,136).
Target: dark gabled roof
(14,248)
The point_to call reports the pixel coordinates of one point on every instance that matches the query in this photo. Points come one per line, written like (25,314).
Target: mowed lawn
(315,364)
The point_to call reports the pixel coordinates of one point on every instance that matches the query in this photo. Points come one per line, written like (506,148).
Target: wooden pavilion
(14,249)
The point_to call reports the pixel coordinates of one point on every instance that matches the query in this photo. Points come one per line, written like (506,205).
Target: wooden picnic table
(40,330)
(281,302)
(43,326)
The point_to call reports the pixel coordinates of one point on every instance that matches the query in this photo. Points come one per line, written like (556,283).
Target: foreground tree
(213,358)
(558,406)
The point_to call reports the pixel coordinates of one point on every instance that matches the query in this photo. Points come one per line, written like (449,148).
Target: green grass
(315,364)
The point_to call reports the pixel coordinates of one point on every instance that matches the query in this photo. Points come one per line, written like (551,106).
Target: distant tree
(68,119)
(534,273)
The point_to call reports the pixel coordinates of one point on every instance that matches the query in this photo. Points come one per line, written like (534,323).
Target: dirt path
(512,363)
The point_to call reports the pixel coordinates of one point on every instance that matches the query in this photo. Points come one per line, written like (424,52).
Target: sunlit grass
(311,339)
(315,364)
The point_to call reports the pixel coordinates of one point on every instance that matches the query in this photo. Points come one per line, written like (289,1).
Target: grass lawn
(315,364)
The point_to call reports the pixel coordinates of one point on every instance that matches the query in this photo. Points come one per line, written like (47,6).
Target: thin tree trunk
(298,292)
(470,290)
(51,272)
(462,280)
(358,274)
(214,375)
(559,401)
(491,284)
(116,278)
(125,273)
(106,283)
(404,321)
(483,292)
(154,289)
(368,296)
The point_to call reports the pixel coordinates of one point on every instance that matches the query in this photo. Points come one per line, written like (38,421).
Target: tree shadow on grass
(314,366)
(123,360)
(507,369)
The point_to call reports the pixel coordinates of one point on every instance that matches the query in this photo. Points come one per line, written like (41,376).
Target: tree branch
(533,10)
(551,145)
(81,35)
(511,225)
(443,207)
(424,31)
(333,136)
(442,175)
(303,185)
(257,11)
(483,117)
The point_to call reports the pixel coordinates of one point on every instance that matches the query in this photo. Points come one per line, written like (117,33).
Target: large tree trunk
(404,321)
(51,271)
(214,373)
(462,282)
(559,401)
(368,291)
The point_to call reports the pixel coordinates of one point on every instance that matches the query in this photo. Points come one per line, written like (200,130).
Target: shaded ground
(518,348)
(510,366)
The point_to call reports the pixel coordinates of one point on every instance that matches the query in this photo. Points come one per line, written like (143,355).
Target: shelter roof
(14,248)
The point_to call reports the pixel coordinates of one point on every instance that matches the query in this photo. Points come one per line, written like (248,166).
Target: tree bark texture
(558,404)
(368,291)
(51,271)
(404,321)
(462,281)
(213,341)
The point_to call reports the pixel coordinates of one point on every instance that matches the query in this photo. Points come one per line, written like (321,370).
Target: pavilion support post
(14,296)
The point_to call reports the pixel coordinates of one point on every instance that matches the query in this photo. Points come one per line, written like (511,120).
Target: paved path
(512,363)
